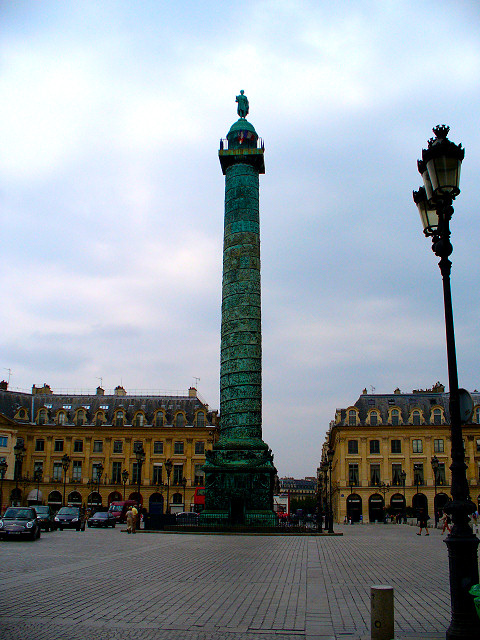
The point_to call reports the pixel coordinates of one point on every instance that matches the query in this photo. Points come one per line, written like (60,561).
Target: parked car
(187,518)
(102,519)
(45,517)
(70,518)
(19,521)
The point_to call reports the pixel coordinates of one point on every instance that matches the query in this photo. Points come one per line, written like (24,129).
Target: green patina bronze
(239,471)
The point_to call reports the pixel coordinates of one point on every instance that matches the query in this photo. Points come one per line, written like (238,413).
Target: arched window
(374,418)
(416,417)
(437,416)
(180,420)
(61,418)
(80,418)
(42,416)
(200,419)
(352,417)
(395,417)
(119,419)
(177,498)
(159,419)
(139,420)
(99,418)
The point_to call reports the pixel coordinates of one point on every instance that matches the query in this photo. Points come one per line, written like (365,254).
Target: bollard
(381,599)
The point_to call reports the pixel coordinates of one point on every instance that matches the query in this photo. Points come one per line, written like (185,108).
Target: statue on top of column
(242,108)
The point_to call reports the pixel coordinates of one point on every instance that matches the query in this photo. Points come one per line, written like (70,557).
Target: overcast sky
(112,196)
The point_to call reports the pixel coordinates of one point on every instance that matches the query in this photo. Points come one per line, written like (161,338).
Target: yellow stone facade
(105,430)
(383,446)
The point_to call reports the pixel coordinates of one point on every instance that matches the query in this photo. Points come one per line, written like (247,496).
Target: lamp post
(184,484)
(435,463)
(416,468)
(37,476)
(3,471)
(384,488)
(440,169)
(19,451)
(168,469)
(403,476)
(99,478)
(65,465)
(319,502)
(330,454)
(124,480)
(140,456)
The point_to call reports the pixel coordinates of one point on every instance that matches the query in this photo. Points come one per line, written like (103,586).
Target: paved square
(107,585)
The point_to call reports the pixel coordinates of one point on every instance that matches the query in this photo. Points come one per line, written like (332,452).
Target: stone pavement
(107,585)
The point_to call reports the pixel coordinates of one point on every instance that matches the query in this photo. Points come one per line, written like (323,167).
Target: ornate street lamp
(434,461)
(330,454)
(99,476)
(416,469)
(3,471)
(140,456)
(65,465)
(440,168)
(37,476)
(124,480)
(168,469)
(19,451)
(184,484)
(403,476)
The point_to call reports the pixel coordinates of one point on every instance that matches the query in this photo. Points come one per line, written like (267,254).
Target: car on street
(102,519)
(187,518)
(19,521)
(45,517)
(70,518)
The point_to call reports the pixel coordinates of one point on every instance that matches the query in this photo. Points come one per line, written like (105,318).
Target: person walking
(134,519)
(423,522)
(130,519)
(446,523)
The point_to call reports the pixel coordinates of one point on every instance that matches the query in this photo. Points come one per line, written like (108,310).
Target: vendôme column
(239,471)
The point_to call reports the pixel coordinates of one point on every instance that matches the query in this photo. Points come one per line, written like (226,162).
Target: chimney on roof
(100,391)
(45,390)
(120,391)
(397,392)
(192,392)
(3,385)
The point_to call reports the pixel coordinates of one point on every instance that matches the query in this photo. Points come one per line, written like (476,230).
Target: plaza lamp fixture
(168,469)
(140,456)
(65,465)
(330,454)
(19,452)
(100,468)
(434,462)
(124,480)
(3,471)
(184,484)
(440,169)
(417,468)
(37,477)
(403,476)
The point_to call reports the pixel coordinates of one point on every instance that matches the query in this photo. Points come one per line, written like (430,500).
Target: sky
(111,197)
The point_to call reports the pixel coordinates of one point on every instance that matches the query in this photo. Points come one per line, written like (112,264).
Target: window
(135,472)
(199,476)
(38,467)
(159,419)
(3,441)
(395,417)
(396,474)
(138,444)
(97,446)
(200,421)
(119,419)
(78,446)
(352,447)
(438,446)
(437,416)
(374,474)
(353,478)
(374,418)
(57,471)
(99,419)
(39,444)
(177,498)
(42,417)
(157,474)
(116,472)
(374,446)
(96,477)
(178,448)
(76,470)
(417,446)
(199,448)
(416,417)
(418,473)
(352,418)
(477,415)
(58,445)
(396,446)
(441,477)
(61,418)
(139,420)
(180,420)
(80,418)
(478,445)
(177,473)
(117,446)
(158,447)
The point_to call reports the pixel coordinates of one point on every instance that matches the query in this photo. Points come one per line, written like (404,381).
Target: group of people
(132,516)
(445,521)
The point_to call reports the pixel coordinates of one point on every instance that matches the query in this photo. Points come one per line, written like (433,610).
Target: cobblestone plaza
(106,585)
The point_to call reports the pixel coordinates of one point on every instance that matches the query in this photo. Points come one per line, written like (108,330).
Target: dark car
(187,518)
(45,517)
(19,521)
(102,519)
(70,518)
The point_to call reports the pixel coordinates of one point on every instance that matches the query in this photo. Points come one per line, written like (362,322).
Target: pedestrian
(129,516)
(423,522)
(446,523)
(475,521)
(134,519)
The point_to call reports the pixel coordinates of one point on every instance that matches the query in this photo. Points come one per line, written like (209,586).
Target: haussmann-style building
(390,455)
